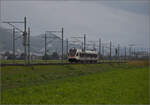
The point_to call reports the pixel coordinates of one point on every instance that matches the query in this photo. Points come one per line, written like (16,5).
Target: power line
(24,34)
(8,22)
(84,42)
(62,32)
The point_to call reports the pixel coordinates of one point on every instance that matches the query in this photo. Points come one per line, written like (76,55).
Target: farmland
(76,84)
(49,61)
(32,61)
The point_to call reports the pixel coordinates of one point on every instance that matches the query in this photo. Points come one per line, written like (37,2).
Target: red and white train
(77,55)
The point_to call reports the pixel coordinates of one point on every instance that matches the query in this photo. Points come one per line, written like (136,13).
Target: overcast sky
(125,22)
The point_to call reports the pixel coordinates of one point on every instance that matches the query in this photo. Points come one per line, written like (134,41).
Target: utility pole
(66,49)
(45,48)
(103,52)
(110,49)
(125,53)
(84,42)
(11,23)
(94,49)
(99,48)
(130,50)
(14,56)
(28,45)
(82,46)
(62,32)
(62,44)
(134,53)
(118,52)
(25,40)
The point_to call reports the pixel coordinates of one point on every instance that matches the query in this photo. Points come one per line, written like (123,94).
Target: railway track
(10,64)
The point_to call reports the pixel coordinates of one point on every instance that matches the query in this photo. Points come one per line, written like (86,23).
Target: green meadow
(32,61)
(76,84)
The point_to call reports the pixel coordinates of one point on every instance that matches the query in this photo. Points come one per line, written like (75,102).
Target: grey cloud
(95,19)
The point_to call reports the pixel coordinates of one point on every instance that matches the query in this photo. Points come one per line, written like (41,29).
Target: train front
(72,55)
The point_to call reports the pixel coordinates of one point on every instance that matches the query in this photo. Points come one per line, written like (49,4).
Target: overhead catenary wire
(11,23)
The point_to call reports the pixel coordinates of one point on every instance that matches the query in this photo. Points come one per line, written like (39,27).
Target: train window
(95,55)
(77,54)
(87,55)
(91,55)
(72,52)
(81,54)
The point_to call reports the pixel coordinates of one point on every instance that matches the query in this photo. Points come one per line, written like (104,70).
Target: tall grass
(76,84)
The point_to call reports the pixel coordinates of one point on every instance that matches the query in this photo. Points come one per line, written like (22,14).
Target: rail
(108,62)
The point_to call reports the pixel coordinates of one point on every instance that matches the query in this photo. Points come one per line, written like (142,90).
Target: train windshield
(72,52)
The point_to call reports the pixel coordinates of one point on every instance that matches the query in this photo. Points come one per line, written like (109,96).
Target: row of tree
(53,56)
(10,56)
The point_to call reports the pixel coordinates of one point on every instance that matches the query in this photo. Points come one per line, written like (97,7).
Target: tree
(6,53)
(9,55)
(46,57)
(54,55)
(22,56)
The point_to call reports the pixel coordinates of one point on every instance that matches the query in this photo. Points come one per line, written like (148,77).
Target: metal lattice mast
(28,45)
(11,23)
(62,45)
(84,42)
(14,56)
(110,49)
(125,53)
(67,47)
(99,48)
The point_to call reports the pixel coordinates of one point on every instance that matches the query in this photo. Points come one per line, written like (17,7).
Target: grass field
(32,61)
(47,61)
(76,84)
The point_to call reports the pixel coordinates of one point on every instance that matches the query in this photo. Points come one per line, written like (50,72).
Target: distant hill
(37,42)
(5,39)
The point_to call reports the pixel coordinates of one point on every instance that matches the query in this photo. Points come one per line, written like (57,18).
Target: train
(80,56)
